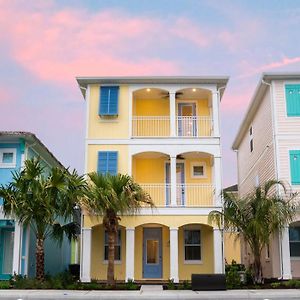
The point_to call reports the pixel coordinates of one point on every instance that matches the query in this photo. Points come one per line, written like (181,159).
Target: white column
(129,254)
(130,157)
(218,252)
(218,181)
(173,181)
(172,114)
(17,248)
(85,268)
(285,254)
(215,113)
(130,104)
(174,254)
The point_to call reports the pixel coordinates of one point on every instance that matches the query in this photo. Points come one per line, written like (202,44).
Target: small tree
(43,202)
(112,196)
(256,217)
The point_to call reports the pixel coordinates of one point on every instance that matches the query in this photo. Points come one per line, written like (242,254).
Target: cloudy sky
(45,44)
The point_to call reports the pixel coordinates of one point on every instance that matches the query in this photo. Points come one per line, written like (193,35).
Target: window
(8,157)
(117,246)
(294,234)
(192,245)
(267,252)
(292,95)
(198,170)
(295,166)
(109,98)
(251,138)
(250,130)
(107,162)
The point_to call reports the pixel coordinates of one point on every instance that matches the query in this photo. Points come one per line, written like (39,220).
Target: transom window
(117,246)
(8,158)
(294,234)
(198,170)
(192,245)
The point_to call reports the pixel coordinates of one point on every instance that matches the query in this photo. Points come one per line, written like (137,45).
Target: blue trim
(107,162)
(295,166)
(292,95)
(109,100)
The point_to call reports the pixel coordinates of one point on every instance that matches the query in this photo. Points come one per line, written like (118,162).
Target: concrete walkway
(149,294)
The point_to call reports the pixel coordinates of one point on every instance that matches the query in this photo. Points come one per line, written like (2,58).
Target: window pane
(198,170)
(192,237)
(294,233)
(192,253)
(7,157)
(152,251)
(295,249)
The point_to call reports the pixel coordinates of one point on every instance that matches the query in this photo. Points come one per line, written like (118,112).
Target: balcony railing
(194,126)
(187,195)
(150,126)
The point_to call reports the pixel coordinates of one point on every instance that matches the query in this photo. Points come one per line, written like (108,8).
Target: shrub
(4,285)
(275,285)
(233,278)
(130,285)
(293,283)
(170,284)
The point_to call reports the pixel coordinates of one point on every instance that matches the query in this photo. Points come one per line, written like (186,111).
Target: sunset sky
(45,44)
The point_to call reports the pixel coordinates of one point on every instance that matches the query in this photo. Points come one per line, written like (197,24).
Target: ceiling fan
(167,95)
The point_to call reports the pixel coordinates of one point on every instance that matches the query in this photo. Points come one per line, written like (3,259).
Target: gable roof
(255,102)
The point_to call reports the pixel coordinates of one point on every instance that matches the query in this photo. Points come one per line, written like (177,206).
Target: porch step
(151,288)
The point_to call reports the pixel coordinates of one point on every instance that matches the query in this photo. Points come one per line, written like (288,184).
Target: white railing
(159,193)
(195,195)
(149,126)
(194,126)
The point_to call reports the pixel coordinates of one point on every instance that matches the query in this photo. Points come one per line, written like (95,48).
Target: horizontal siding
(261,161)
(285,124)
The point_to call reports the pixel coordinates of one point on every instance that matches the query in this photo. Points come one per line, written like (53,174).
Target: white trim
(218,251)
(87,99)
(174,254)
(198,164)
(17,247)
(11,165)
(130,250)
(86,251)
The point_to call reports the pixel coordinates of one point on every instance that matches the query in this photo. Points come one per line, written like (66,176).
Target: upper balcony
(186,113)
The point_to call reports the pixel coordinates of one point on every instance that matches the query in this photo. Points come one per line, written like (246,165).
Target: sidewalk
(103,295)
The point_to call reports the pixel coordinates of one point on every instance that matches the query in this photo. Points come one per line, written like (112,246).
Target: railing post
(172,114)
(215,113)
(173,181)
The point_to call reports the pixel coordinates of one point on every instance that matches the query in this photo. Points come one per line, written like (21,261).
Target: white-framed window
(192,245)
(198,170)
(117,246)
(8,157)
(267,252)
(294,235)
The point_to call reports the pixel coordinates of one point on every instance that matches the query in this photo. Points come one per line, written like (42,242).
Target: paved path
(149,294)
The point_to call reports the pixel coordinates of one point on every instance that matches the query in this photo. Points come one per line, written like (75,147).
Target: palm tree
(112,196)
(43,202)
(256,217)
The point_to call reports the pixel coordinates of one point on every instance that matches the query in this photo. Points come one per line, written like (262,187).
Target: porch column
(215,113)
(218,181)
(173,180)
(174,254)
(85,268)
(218,251)
(129,254)
(172,114)
(285,254)
(17,248)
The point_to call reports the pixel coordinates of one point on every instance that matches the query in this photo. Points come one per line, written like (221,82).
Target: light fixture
(148,90)
(295,157)
(194,90)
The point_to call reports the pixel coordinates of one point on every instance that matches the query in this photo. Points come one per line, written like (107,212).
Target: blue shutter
(107,162)
(292,94)
(295,166)
(109,99)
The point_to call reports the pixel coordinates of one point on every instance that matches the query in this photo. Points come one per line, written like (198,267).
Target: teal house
(17,242)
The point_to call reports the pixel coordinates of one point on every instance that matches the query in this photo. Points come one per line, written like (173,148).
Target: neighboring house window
(295,166)
(8,157)
(117,246)
(192,245)
(268,252)
(198,170)
(294,234)
(107,162)
(109,99)
(256,181)
(251,138)
(292,95)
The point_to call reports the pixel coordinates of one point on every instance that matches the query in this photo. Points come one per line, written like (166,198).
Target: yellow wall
(207,254)
(122,156)
(232,247)
(151,107)
(109,127)
(98,266)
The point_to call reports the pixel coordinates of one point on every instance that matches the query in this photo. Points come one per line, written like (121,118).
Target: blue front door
(152,253)
(6,252)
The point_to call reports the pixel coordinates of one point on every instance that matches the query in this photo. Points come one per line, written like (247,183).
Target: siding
(261,161)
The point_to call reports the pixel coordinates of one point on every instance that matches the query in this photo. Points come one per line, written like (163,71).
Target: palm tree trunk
(258,276)
(111,258)
(40,259)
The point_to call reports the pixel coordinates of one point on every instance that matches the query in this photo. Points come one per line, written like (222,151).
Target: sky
(46,44)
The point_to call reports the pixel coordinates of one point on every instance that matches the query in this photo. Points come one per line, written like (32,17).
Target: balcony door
(187,120)
(6,252)
(180,190)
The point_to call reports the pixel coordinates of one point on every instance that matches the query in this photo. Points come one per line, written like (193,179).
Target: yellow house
(165,133)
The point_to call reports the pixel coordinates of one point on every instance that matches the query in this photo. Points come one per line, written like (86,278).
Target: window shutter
(292,94)
(295,166)
(109,100)
(107,162)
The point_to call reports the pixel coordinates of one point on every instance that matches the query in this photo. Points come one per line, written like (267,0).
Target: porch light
(148,90)
(295,157)
(194,90)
